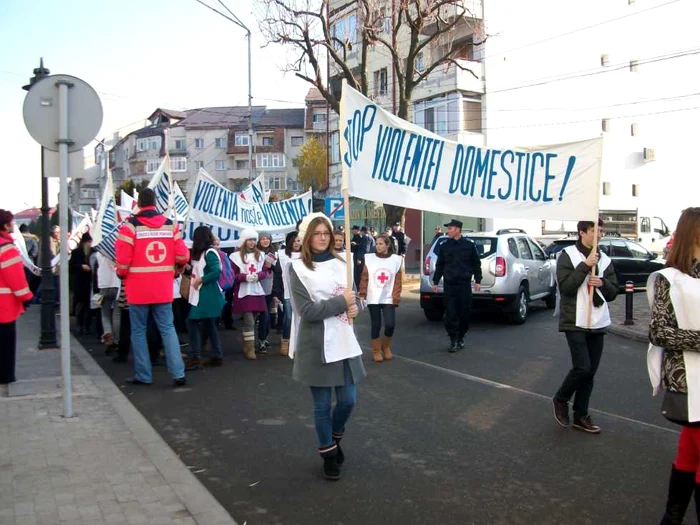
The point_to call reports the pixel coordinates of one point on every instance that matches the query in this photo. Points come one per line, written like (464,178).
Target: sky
(138,55)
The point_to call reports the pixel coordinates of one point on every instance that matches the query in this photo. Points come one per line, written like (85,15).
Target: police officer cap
(454,222)
(363,229)
(355,227)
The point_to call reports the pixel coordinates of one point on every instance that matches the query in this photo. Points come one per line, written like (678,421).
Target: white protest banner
(106,219)
(256,191)
(390,160)
(127,201)
(214,205)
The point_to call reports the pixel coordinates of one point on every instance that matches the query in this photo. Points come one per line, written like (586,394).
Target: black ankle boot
(336,439)
(331,469)
(680,489)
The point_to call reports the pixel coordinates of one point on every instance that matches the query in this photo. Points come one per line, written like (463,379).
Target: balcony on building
(238,174)
(448,78)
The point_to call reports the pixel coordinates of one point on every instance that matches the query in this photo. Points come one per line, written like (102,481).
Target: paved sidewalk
(107,465)
(639,331)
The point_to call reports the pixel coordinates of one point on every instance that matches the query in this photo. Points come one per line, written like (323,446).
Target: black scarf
(323,256)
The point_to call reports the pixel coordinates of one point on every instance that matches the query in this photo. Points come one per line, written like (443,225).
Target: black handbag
(674,406)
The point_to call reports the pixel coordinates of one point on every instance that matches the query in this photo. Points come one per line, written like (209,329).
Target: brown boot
(213,361)
(284,347)
(377,350)
(108,339)
(386,341)
(249,345)
(192,363)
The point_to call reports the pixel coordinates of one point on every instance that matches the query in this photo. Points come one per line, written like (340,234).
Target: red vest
(149,247)
(14,290)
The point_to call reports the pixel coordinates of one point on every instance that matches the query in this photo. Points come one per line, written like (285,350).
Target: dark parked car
(631,260)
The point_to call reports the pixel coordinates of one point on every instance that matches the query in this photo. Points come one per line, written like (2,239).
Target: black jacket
(401,241)
(457,262)
(570,280)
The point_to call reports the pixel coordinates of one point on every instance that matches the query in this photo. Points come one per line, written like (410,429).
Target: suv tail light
(426,266)
(500,267)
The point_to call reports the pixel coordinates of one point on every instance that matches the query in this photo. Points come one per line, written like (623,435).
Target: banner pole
(348,252)
(591,289)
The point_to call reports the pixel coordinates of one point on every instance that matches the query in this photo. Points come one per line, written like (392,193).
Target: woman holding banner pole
(327,356)
(248,294)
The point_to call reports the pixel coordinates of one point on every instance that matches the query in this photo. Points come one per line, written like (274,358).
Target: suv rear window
(485,245)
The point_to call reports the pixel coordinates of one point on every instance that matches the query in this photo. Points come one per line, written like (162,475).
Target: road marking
(503,386)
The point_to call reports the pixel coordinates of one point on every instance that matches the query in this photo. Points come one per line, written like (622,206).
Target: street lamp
(47,338)
(240,24)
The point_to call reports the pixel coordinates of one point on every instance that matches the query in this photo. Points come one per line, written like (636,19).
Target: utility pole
(47,337)
(233,18)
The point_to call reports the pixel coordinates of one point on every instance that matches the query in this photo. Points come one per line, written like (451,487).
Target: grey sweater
(309,366)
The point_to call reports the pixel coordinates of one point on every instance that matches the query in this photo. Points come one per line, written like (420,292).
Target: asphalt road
(436,438)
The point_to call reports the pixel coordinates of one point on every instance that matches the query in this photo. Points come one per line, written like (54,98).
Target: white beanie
(248,233)
(307,220)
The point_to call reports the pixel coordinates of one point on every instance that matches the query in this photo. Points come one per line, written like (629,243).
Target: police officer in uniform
(458,260)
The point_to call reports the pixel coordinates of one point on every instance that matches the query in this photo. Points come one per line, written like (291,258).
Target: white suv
(515,271)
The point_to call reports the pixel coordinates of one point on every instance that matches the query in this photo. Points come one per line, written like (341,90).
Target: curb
(628,332)
(203,507)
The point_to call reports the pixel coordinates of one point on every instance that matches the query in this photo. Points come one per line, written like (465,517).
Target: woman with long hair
(292,251)
(673,360)
(81,282)
(248,293)
(380,286)
(265,320)
(324,347)
(14,295)
(205,298)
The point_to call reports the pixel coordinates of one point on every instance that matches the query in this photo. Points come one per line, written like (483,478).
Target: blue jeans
(163,316)
(333,422)
(193,326)
(287,326)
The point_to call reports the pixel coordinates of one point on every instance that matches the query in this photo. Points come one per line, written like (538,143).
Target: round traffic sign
(41,112)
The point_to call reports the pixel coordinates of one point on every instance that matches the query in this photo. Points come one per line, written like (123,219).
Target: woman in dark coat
(81,278)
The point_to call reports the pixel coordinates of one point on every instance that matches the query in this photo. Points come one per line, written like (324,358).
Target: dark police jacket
(457,262)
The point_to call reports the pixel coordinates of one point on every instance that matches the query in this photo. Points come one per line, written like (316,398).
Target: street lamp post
(47,338)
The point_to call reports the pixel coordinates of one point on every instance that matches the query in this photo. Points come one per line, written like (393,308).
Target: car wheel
(519,316)
(434,314)
(551,300)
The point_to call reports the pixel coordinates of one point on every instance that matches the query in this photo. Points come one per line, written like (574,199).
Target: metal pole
(47,338)
(63,142)
(629,303)
(422,241)
(250,108)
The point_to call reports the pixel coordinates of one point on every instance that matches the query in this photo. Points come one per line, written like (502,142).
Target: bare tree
(408,31)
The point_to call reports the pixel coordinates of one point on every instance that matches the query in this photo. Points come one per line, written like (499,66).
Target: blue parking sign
(335,209)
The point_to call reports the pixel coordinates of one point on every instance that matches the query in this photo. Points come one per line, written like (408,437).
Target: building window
(126,153)
(472,115)
(268,141)
(242,165)
(381,82)
(181,144)
(635,190)
(319,118)
(178,164)
(294,186)
(89,194)
(221,143)
(275,183)
(335,147)
(220,165)
(154,143)
(605,124)
(141,144)
(444,115)
(198,164)
(420,63)
(241,139)
(384,21)
(199,143)
(344,31)
(270,160)
(152,165)
(85,207)
(606,188)
(297,141)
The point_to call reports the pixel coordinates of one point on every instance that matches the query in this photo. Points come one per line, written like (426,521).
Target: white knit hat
(248,233)
(307,220)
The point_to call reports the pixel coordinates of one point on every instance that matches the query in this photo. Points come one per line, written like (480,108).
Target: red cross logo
(382,277)
(155,252)
(251,268)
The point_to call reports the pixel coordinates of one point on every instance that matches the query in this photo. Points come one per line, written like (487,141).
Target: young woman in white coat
(327,356)
(380,287)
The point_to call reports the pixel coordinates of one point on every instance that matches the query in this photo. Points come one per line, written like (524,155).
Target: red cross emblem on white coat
(382,277)
(251,268)
(156,252)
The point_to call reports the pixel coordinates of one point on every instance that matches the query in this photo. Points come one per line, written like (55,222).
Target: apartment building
(215,139)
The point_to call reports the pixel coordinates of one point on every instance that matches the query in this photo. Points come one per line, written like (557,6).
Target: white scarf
(600,316)
(685,297)
(326,281)
(198,271)
(245,288)
(382,273)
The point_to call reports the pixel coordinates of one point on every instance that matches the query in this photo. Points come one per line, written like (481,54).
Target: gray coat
(309,367)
